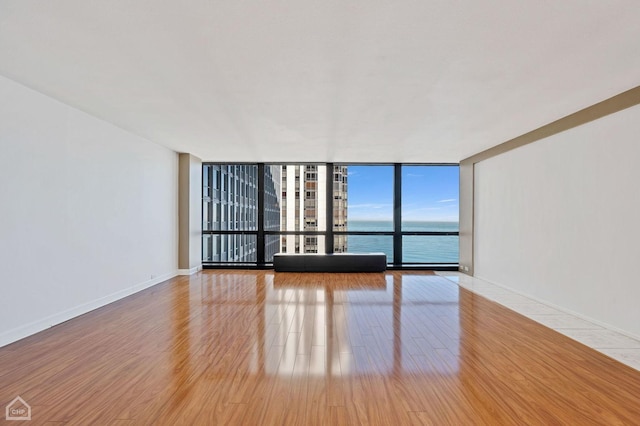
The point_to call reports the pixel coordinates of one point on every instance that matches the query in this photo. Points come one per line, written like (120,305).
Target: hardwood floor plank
(258,347)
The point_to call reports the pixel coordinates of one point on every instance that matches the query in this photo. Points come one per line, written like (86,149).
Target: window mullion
(397,215)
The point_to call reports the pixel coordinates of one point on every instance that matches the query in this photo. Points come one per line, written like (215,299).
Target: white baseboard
(564,310)
(39,325)
(191,271)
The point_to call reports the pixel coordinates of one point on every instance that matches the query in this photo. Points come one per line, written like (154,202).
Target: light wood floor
(260,348)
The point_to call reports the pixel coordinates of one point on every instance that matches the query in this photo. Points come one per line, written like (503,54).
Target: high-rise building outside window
(304,204)
(230,194)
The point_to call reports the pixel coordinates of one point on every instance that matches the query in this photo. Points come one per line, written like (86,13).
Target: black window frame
(329,233)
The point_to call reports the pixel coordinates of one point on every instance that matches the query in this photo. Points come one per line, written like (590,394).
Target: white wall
(559,220)
(88,212)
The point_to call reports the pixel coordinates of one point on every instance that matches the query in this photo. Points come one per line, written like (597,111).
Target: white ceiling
(330,80)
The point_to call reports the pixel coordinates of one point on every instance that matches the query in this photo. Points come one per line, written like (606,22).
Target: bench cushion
(336,262)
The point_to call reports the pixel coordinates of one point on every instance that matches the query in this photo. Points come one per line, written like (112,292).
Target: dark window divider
(397,215)
(432,233)
(328,240)
(261,240)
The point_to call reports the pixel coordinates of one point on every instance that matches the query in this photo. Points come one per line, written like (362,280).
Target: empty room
(299,213)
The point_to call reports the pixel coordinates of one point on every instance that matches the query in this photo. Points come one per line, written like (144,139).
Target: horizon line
(406,220)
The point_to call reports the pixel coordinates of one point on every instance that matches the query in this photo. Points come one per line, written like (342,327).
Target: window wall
(430,214)
(303,208)
(408,212)
(230,213)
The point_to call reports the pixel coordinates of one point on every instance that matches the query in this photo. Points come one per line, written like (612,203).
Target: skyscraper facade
(272,207)
(304,207)
(340,175)
(230,203)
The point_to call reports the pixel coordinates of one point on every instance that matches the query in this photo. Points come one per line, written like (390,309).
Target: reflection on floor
(609,342)
(258,347)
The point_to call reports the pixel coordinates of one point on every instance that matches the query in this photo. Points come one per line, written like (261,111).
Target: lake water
(415,249)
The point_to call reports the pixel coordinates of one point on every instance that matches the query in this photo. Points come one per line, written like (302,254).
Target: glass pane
(272,198)
(207,255)
(340,175)
(429,249)
(234,198)
(208,211)
(229,248)
(430,197)
(207,202)
(272,246)
(302,197)
(293,244)
(364,244)
(368,198)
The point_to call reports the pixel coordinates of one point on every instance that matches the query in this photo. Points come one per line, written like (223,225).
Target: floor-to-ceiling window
(408,212)
(368,225)
(430,214)
(302,213)
(230,213)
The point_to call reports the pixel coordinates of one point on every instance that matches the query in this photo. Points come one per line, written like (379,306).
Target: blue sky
(429,193)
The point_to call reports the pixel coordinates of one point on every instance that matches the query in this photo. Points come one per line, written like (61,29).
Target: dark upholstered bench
(337,262)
